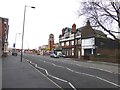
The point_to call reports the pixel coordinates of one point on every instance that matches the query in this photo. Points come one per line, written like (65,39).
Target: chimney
(88,23)
(74,28)
(63,32)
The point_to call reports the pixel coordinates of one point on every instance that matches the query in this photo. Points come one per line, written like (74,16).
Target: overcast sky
(49,16)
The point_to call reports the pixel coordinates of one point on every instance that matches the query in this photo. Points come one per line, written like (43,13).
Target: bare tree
(102,14)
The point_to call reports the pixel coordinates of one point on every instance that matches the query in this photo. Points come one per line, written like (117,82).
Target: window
(72,42)
(62,43)
(76,42)
(67,43)
(67,35)
(72,51)
(79,41)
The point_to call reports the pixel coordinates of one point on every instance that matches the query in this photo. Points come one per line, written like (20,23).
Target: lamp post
(23,30)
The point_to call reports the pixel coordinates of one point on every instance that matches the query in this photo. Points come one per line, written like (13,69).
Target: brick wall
(109,52)
(106,55)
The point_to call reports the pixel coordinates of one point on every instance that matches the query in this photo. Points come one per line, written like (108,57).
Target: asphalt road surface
(71,74)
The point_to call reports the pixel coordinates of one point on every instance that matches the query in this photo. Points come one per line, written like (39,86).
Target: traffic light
(14,45)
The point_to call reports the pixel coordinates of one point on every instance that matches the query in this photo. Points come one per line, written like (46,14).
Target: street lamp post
(23,30)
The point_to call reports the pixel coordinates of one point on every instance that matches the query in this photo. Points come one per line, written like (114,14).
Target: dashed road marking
(85,74)
(52,76)
(48,78)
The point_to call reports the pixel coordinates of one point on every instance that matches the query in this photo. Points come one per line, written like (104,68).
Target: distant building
(46,49)
(4,28)
(51,42)
(55,45)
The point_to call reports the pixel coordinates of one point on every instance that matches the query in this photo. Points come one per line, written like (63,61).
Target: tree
(102,14)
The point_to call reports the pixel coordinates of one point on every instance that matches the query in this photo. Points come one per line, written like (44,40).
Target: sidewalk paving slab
(18,74)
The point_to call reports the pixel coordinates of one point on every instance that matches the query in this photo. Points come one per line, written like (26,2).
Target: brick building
(4,28)
(70,41)
(51,42)
(88,43)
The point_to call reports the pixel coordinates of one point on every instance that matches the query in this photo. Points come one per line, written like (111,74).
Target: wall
(106,55)
(87,44)
(0,37)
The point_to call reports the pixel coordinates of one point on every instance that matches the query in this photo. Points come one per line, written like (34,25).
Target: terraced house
(4,28)
(88,44)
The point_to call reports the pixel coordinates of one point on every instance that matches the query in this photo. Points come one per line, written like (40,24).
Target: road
(72,74)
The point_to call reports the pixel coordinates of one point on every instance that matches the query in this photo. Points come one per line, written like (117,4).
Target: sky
(49,16)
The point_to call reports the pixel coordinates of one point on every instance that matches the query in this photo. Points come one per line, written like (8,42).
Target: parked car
(61,55)
(14,52)
(54,55)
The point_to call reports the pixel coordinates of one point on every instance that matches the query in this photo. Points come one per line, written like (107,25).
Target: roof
(99,32)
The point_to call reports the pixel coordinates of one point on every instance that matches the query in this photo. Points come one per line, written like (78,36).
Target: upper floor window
(79,41)
(78,33)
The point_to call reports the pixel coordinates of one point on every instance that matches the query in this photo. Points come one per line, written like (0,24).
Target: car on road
(54,55)
(14,52)
(61,55)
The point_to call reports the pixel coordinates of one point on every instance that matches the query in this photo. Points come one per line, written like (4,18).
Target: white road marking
(108,81)
(46,72)
(48,78)
(101,69)
(54,76)
(69,69)
(72,86)
(85,74)
(96,68)
(53,64)
(58,78)
(35,65)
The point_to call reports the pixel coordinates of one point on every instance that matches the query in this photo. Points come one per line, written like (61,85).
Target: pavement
(0,73)
(16,74)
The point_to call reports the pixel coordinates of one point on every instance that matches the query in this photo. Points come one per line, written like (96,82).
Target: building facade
(70,41)
(87,43)
(51,42)
(4,28)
